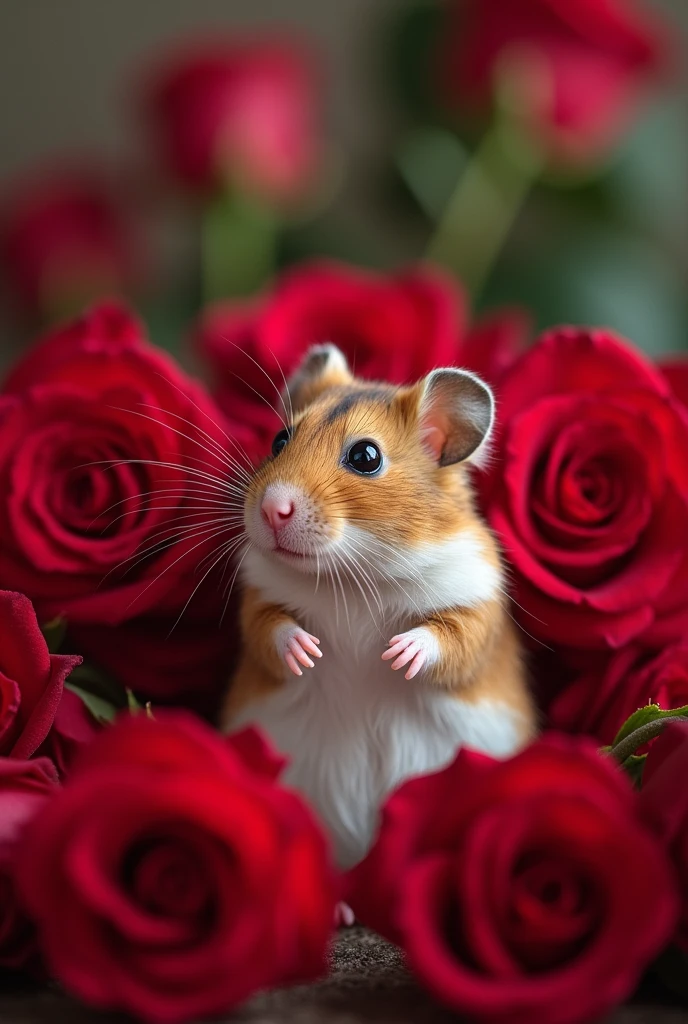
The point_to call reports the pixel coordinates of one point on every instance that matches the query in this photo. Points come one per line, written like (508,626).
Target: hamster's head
(367,472)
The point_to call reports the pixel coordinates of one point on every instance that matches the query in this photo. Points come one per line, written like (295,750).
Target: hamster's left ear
(323,367)
(456,415)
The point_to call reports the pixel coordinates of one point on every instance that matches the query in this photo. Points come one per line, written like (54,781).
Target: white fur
(353,727)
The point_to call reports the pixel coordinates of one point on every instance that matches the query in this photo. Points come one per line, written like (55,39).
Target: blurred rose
(25,786)
(676,372)
(31,679)
(66,238)
(585,63)
(664,804)
(600,700)
(493,343)
(119,473)
(394,328)
(588,492)
(173,877)
(188,664)
(237,112)
(74,726)
(519,889)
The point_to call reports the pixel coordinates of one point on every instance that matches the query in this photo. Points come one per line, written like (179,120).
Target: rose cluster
(151,865)
(189,877)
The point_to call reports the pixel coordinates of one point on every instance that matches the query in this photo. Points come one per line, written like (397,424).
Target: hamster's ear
(455,415)
(323,367)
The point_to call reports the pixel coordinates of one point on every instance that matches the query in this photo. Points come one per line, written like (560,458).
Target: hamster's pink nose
(276,511)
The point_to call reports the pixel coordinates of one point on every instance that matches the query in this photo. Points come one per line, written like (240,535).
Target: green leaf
(102,710)
(133,704)
(643,716)
(54,633)
(634,767)
(91,679)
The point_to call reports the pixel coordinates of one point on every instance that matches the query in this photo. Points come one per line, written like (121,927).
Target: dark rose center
(96,492)
(552,911)
(166,877)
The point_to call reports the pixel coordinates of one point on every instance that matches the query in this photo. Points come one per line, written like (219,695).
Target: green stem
(238,246)
(628,746)
(486,202)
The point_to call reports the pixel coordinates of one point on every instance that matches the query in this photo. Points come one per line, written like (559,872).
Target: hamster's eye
(364,457)
(280,441)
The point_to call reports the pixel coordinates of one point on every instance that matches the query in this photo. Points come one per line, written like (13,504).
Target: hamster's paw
(294,645)
(418,646)
(344,916)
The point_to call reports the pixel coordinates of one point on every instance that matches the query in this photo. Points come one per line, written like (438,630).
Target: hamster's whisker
(317,571)
(174,530)
(395,582)
(163,539)
(205,505)
(193,593)
(233,581)
(270,406)
(168,493)
(210,419)
(227,547)
(354,575)
(167,568)
(512,600)
(286,391)
(235,470)
(358,569)
(191,512)
(216,446)
(336,579)
(159,463)
(224,456)
(267,376)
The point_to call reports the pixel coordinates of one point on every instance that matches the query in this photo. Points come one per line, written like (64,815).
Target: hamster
(376,637)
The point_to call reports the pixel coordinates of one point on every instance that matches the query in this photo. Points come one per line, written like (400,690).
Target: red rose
(664,805)
(495,341)
(394,328)
(24,787)
(226,111)
(588,64)
(74,726)
(589,492)
(519,889)
(31,679)
(117,475)
(600,700)
(172,877)
(676,372)
(671,621)
(65,238)
(187,665)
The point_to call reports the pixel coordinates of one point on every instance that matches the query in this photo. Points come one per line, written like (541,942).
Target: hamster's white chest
(354,729)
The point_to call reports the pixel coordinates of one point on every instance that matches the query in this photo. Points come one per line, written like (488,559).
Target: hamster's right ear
(456,416)
(323,367)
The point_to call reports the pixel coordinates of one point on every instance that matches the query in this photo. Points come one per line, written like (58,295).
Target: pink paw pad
(416,648)
(294,646)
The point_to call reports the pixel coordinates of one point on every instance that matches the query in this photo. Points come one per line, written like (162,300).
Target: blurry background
(602,238)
